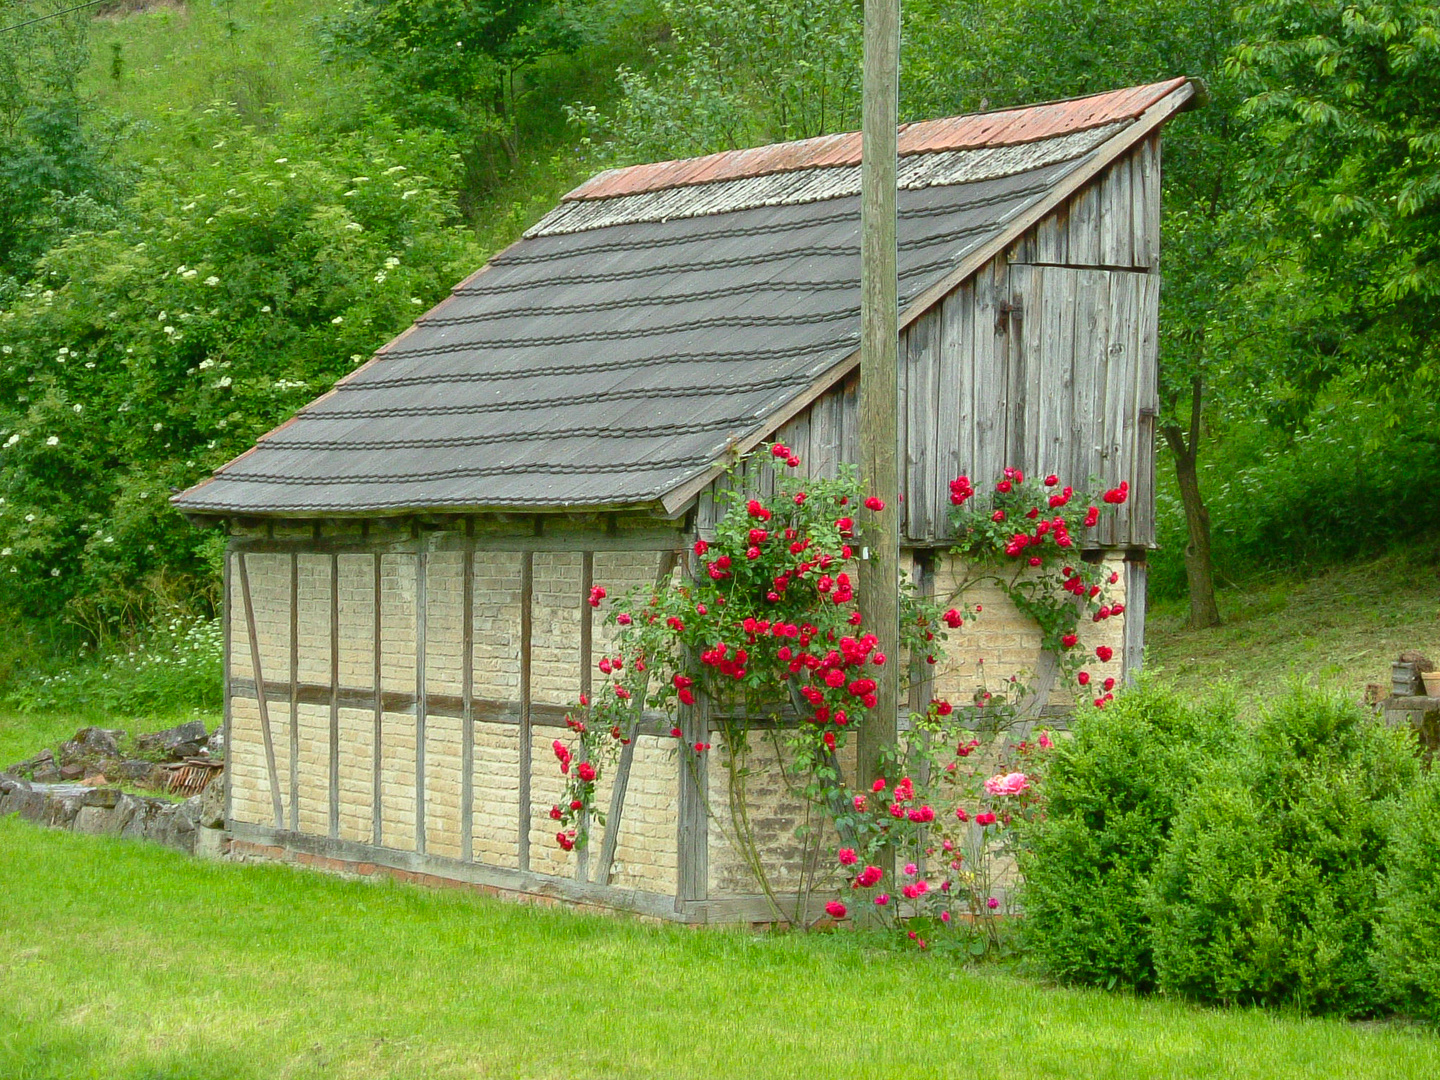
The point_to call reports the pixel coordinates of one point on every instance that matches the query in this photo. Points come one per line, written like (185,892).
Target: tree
(458,66)
(738,73)
(1345,96)
(55,170)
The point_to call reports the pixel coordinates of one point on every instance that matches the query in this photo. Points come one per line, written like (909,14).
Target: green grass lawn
(124,961)
(1340,625)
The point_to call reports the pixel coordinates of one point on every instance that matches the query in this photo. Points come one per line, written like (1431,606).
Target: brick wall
(646,852)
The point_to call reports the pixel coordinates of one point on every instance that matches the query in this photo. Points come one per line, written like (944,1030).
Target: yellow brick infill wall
(646,856)
(1002,641)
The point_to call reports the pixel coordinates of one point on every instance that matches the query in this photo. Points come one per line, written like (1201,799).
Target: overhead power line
(53,15)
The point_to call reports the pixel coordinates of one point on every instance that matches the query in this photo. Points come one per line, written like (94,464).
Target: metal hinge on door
(1009,310)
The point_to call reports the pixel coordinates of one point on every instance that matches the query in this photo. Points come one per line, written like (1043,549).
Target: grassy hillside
(1339,625)
(260,56)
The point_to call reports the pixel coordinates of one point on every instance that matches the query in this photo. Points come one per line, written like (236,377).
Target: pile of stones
(97,756)
(74,787)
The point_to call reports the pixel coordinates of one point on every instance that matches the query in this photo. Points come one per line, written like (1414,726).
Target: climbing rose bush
(764,624)
(1025,535)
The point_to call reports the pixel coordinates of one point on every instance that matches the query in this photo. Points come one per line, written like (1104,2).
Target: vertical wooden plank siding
(1134,646)
(377,660)
(1118,391)
(920,362)
(1017,368)
(227,612)
(421,696)
(467,696)
(1145,247)
(1084,231)
(334,695)
(1152,198)
(953,428)
(989,401)
(587,631)
(294,692)
(260,695)
(1147,397)
(527,616)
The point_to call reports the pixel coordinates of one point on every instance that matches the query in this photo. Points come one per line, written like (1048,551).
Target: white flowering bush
(177,664)
(140,358)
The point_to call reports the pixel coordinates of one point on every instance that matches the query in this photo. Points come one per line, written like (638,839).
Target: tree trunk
(1199,569)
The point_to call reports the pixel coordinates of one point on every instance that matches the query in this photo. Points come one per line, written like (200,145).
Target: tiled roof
(613,354)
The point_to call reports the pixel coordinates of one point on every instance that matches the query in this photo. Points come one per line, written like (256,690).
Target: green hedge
(1289,862)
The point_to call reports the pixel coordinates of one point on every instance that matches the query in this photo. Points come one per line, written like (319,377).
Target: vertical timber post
(879,378)
(260,692)
(334,695)
(467,696)
(294,691)
(227,611)
(587,633)
(422,705)
(527,600)
(377,660)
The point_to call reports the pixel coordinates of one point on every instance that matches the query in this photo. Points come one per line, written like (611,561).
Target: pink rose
(1008,784)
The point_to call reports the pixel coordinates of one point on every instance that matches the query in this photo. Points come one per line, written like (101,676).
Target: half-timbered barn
(410,555)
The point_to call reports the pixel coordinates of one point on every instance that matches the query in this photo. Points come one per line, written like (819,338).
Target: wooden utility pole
(879,380)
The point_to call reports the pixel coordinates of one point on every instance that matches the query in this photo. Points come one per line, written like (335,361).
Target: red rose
(1069,641)
(752,553)
(687,697)
(1083,678)
(676,733)
(874,502)
(701,547)
(586,771)
(555,812)
(1004,487)
(780,450)
(596,595)
(800,497)
(998,515)
(835,909)
(1051,480)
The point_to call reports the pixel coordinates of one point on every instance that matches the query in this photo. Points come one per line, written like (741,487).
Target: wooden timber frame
(592,880)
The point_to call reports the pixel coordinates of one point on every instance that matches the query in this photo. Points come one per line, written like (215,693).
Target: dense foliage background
(211,210)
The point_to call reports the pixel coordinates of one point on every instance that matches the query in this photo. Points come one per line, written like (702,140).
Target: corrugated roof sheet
(1003,127)
(607,361)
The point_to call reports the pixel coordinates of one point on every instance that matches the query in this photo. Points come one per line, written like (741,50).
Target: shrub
(1267,891)
(1113,791)
(1407,954)
(176,666)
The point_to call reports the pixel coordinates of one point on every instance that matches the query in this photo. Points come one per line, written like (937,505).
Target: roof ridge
(997,127)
